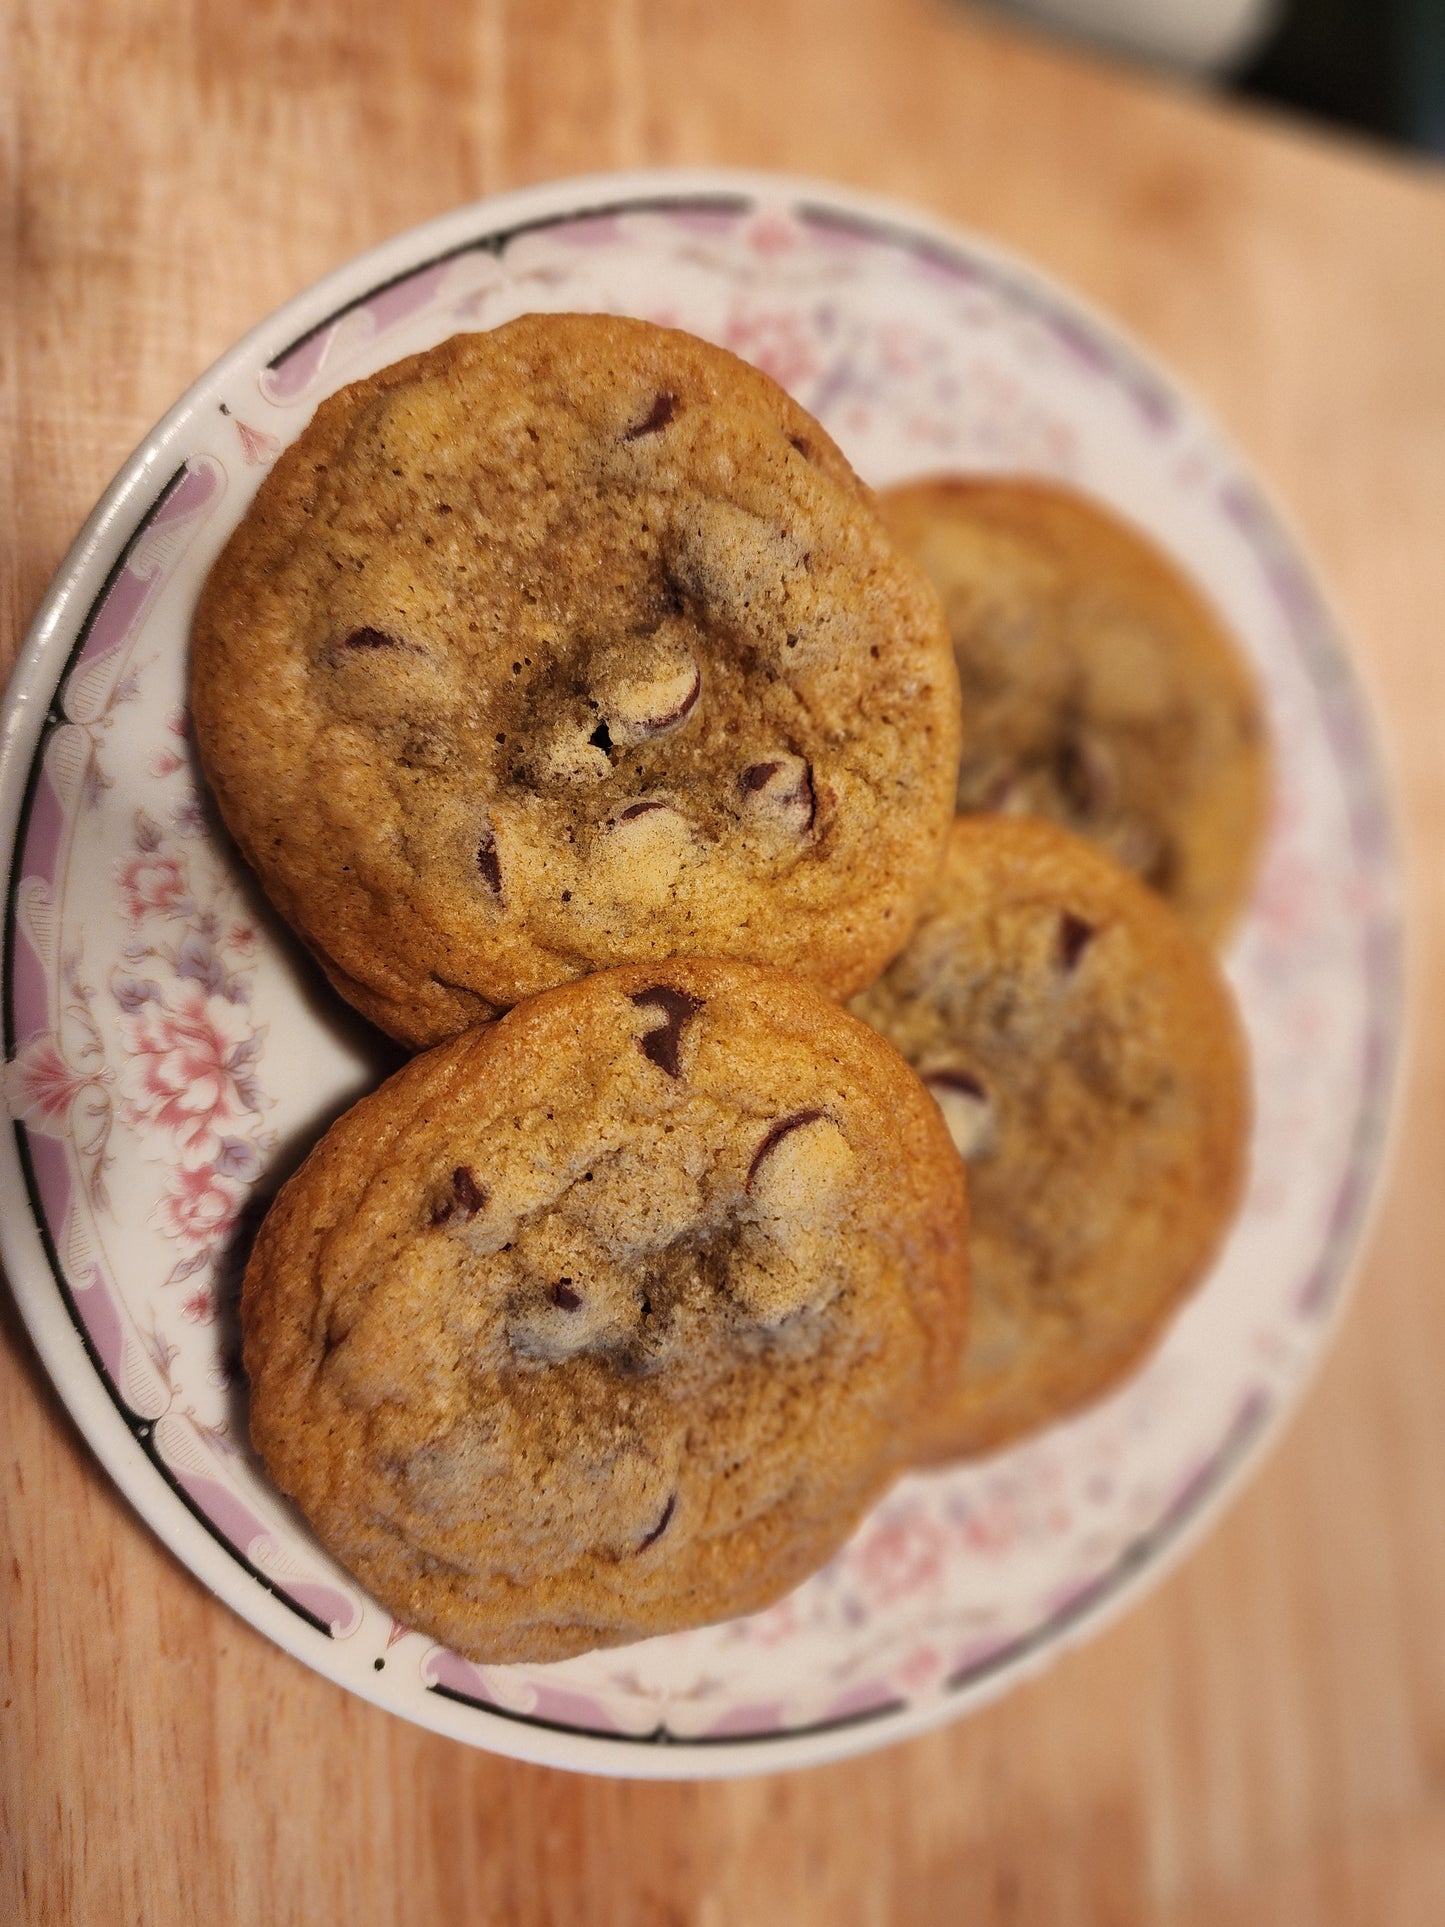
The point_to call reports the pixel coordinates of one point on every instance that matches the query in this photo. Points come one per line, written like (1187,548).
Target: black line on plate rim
(53,718)
(661,1735)
(1136,1555)
(878,227)
(500,239)
(1147,388)
(141,1430)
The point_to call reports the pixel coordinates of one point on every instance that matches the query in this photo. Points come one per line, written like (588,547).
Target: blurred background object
(1377,66)
(1201,36)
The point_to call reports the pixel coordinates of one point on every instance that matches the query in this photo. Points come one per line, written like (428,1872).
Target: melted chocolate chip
(663,1045)
(1083,776)
(775,1135)
(656,724)
(1000,792)
(802,797)
(640,809)
(1163,872)
(370,639)
(563,1296)
(789,805)
(971,1120)
(1075,936)
(489,864)
(663,409)
(470,1196)
(958,1081)
(757,776)
(804,448)
(663,1523)
(466,1200)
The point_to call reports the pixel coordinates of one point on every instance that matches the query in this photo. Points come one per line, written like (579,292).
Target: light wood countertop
(1263,1740)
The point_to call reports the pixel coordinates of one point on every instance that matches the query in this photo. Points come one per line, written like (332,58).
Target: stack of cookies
(581,710)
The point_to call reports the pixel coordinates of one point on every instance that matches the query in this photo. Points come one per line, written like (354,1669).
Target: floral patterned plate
(170,1054)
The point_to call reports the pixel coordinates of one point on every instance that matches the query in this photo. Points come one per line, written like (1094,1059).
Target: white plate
(169,1053)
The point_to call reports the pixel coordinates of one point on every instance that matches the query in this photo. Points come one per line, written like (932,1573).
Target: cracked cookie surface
(1085,1052)
(567,645)
(1100,689)
(611,1317)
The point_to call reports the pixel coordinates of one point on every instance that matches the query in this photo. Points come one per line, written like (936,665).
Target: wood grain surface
(1263,1741)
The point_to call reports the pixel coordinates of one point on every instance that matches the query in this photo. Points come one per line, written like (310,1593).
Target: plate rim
(98,548)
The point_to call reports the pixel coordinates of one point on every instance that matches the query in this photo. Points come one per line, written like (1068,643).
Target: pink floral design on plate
(169,1054)
(187,1075)
(154,884)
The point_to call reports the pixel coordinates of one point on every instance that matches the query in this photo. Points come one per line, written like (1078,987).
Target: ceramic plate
(169,1054)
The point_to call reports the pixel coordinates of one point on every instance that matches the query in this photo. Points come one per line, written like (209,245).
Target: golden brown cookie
(614,1316)
(565,645)
(1100,689)
(1085,1051)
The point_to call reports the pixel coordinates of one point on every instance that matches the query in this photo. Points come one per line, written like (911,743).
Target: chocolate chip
(1075,936)
(489,863)
(801,798)
(640,809)
(957,1081)
(1162,873)
(563,1296)
(600,739)
(804,448)
(780,791)
(676,712)
(663,1523)
(663,1045)
(683,709)
(466,1199)
(469,1195)
(1084,775)
(775,1136)
(370,639)
(659,415)
(641,706)
(970,1117)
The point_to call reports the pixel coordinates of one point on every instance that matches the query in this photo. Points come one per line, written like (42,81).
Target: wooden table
(1264,1740)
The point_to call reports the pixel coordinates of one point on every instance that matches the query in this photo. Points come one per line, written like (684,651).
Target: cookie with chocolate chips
(567,645)
(1084,1049)
(614,1316)
(1100,689)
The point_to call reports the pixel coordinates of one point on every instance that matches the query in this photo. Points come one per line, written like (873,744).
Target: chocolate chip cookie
(611,1317)
(1100,689)
(566,645)
(1085,1052)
